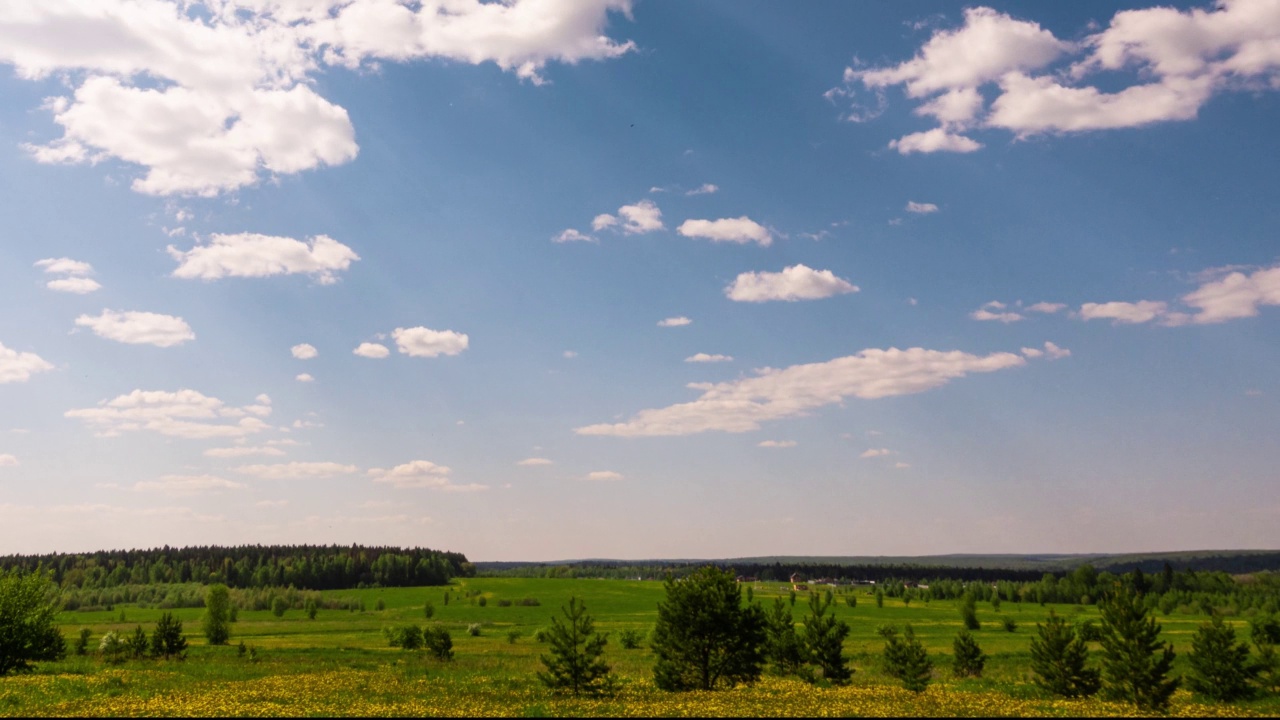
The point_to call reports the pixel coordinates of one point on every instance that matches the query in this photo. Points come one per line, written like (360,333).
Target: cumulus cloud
(187,485)
(571,235)
(921,208)
(602,221)
(604,475)
(254,255)
(297,470)
(371,350)
(211,95)
(1169,63)
(77,285)
(705,358)
(995,311)
(735,230)
(704,189)
(1046,307)
(138,328)
(424,342)
(875,452)
(776,443)
(798,282)
(20,366)
(680,321)
(243,451)
(1224,294)
(304,377)
(773,394)
(304,351)
(642,217)
(185,414)
(7,460)
(528,462)
(1123,313)
(76,272)
(421,474)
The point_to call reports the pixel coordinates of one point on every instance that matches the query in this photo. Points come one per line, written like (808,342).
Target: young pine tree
(905,658)
(969,613)
(969,658)
(1264,631)
(1135,663)
(167,639)
(782,646)
(1058,660)
(1221,668)
(705,638)
(137,643)
(824,639)
(576,663)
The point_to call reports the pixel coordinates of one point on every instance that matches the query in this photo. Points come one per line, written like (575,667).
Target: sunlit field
(340,664)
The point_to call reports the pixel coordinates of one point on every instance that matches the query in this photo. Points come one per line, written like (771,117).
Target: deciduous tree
(28,631)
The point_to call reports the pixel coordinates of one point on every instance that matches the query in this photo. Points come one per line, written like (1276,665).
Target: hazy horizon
(640,279)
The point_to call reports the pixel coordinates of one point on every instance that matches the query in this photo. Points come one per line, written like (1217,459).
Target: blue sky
(551,279)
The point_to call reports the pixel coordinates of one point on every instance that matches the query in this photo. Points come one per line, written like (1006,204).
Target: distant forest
(313,567)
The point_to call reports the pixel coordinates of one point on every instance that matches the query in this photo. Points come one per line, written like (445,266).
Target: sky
(555,279)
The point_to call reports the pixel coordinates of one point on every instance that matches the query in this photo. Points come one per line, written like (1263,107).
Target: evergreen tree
(905,658)
(217,603)
(824,636)
(136,644)
(1058,660)
(782,646)
(704,637)
(1135,664)
(1220,668)
(311,607)
(167,639)
(969,658)
(969,613)
(576,663)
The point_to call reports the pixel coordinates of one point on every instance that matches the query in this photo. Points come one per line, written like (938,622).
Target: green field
(339,663)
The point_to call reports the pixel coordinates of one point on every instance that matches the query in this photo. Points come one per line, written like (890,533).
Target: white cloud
(602,221)
(20,366)
(875,452)
(985,313)
(528,462)
(680,321)
(304,377)
(254,255)
(1046,307)
(77,285)
(571,235)
(569,354)
(138,328)
(371,350)
(185,414)
(7,460)
(643,217)
(1173,62)
(65,266)
(421,474)
(776,443)
(704,189)
(243,451)
(1054,352)
(921,208)
(186,484)
(304,351)
(1234,296)
(797,282)
(297,470)
(604,475)
(423,342)
(705,358)
(773,394)
(736,230)
(935,140)
(1123,312)
(209,96)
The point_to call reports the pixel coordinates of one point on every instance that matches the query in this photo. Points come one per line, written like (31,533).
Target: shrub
(906,659)
(541,635)
(969,658)
(28,627)
(279,605)
(1220,668)
(969,613)
(439,642)
(428,610)
(513,636)
(1008,624)
(217,605)
(528,602)
(82,642)
(504,603)
(112,648)
(879,599)
(382,605)
(576,663)
(851,600)
(482,601)
(473,629)
(311,608)
(1058,660)
(406,637)
(630,639)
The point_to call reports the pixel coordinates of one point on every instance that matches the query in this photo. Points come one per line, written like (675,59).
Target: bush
(382,605)
(513,636)
(439,642)
(851,600)
(482,601)
(112,648)
(279,605)
(528,602)
(969,613)
(82,642)
(906,659)
(473,629)
(1008,624)
(406,637)
(968,656)
(311,608)
(630,639)
(541,635)
(28,627)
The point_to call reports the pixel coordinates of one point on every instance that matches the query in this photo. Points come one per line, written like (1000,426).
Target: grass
(339,663)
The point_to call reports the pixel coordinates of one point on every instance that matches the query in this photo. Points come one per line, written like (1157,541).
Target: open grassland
(339,663)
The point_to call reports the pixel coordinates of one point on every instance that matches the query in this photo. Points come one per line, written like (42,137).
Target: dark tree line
(314,567)
(767,572)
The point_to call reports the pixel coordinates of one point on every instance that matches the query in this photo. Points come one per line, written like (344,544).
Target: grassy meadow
(340,664)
